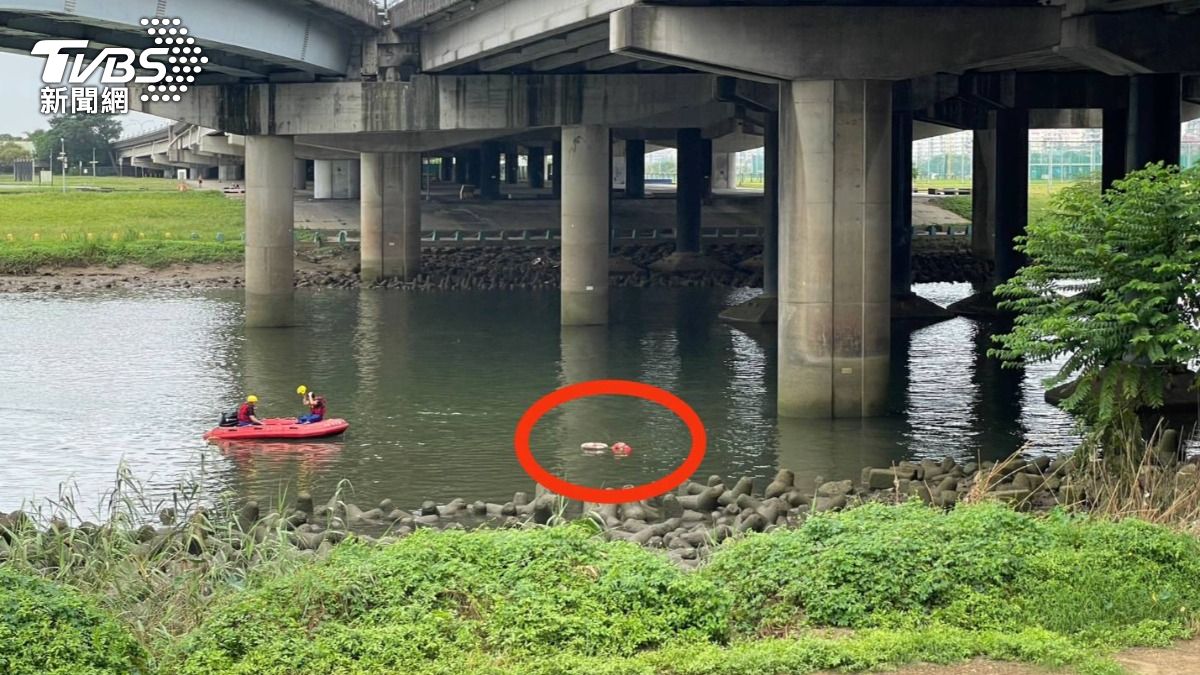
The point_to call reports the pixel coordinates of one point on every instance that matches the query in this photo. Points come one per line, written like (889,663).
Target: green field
(1040,193)
(138,222)
(89,183)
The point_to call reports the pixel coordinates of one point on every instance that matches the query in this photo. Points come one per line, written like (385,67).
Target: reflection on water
(433,385)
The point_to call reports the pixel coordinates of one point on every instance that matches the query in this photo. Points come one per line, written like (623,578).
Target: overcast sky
(20,81)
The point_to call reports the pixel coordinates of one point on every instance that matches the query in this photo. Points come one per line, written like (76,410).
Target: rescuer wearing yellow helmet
(315,403)
(246,415)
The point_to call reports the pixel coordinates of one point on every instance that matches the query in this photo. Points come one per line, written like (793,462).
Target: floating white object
(594,447)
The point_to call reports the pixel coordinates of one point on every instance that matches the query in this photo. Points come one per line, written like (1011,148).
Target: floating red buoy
(621,449)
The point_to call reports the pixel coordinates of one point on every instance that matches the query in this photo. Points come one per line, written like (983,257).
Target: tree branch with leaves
(1112,286)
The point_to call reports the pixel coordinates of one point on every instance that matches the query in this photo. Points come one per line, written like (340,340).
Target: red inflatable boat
(279,429)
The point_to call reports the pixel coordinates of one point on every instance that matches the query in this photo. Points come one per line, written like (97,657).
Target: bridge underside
(275,41)
(835,92)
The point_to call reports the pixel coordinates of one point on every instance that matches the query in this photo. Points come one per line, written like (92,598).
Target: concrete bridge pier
(835,240)
(764,309)
(489,171)
(1113,145)
(300,174)
(390,218)
(694,164)
(689,190)
(512,164)
(706,169)
(1140,131)
(474,167)
(227,173)
(460,168)
(585,224)
(902,140)
(906,305)
(1154,119)
(322,179)
(1001,202)
(983,202)
(635,168)
(556,169)
(537,167)
(1011,189)
(269,223)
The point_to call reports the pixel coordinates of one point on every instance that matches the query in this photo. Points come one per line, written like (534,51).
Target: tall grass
(1147,483)
(157,580)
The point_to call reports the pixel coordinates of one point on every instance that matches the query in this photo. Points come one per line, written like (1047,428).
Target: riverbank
(1030,560)
(935,258)
(154,228)
(873,587)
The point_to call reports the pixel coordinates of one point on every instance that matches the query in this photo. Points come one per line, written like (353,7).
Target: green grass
(901,584)
(153,228)
(116,183)
(960,206)
(872,587)
(1040,193)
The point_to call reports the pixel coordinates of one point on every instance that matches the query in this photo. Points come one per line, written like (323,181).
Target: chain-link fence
(1055,155)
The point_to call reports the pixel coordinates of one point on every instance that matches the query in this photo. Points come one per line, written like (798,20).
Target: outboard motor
(229,419)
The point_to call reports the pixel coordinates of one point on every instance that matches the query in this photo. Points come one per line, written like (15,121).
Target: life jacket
(245,412)
(318,407)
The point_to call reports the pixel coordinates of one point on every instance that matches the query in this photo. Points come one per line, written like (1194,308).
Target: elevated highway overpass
(836,89)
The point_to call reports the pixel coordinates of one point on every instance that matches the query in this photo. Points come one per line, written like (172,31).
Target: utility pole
(93,162)
(62,156)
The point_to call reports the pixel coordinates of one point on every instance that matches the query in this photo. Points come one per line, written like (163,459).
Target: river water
(433,385)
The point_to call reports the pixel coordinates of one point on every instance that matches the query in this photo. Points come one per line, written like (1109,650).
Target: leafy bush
(48,629)
(1113,286)
(433,599)
(908,583)
(979,568)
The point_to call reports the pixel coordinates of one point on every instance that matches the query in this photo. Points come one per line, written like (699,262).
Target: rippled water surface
(434,384)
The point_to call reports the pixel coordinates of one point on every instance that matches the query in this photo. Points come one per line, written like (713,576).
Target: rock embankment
(485,268)
(684,523)
(947,259)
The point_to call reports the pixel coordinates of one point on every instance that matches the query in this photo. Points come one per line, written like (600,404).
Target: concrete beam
(791,43)
(221,145)
(411,13)
(1132,43)
(362,13)
(608,62)
(584,53)
(343,146)
(445,103)
(1191,89)
(923,130)
(501,26)
(554,45)
(1080,89)
(1089,118)
(281,33)
(307,150)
